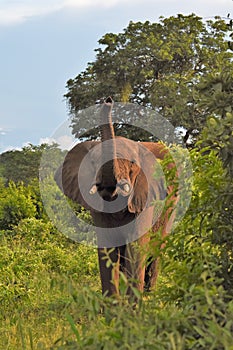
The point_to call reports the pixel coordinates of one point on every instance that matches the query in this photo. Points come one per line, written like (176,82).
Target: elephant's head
(114,169)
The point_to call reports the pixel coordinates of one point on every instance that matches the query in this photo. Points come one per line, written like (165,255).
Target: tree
(215,93)
(23,165)
(158,65)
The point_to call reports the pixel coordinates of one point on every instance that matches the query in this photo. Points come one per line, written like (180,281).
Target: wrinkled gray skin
(115,182)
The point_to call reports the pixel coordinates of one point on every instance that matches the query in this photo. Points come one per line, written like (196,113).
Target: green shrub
(16,203)
(34,257)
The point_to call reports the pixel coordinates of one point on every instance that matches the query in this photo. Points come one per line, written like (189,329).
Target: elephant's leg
(135,269)
(152,269)
(151,274)
(109,274)
(134,265)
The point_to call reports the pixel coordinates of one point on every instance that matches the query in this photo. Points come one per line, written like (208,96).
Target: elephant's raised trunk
(107,130)
(109,160)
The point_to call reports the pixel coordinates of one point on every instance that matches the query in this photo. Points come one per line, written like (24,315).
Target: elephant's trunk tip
(109,100)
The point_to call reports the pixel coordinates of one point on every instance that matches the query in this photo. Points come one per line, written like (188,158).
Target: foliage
(38,269)
(16,204)
(23,165)
(196,246)
(50,290)
(215,93)
(46,301)
(157,65)
(156,327)
(218,135)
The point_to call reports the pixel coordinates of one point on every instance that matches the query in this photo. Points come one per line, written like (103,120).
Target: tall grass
(50,299)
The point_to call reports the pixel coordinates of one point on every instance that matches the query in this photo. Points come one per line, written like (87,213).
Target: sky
(44,43)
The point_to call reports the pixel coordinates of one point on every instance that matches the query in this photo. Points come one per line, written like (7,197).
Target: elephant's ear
(147,186)
(75,180)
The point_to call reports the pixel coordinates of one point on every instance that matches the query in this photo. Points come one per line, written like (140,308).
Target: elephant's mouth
(108,193)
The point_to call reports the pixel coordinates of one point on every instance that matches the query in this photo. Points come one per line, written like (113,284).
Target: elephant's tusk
(126,188)
(93,189)
(123,188)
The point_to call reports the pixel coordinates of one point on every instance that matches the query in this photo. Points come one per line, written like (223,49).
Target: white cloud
(9,148)
(14,12)
(2,131)
(65,142)
(89,3)
(47,140)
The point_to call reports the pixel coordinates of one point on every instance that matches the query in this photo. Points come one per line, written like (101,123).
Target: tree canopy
(23,165)
(160,65)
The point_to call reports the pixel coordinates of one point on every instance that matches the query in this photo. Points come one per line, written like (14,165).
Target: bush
(33,256)
(16,203)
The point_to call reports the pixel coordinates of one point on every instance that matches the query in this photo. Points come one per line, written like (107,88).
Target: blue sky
(44,43)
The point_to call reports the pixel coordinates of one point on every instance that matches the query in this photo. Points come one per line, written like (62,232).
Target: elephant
(114,179)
